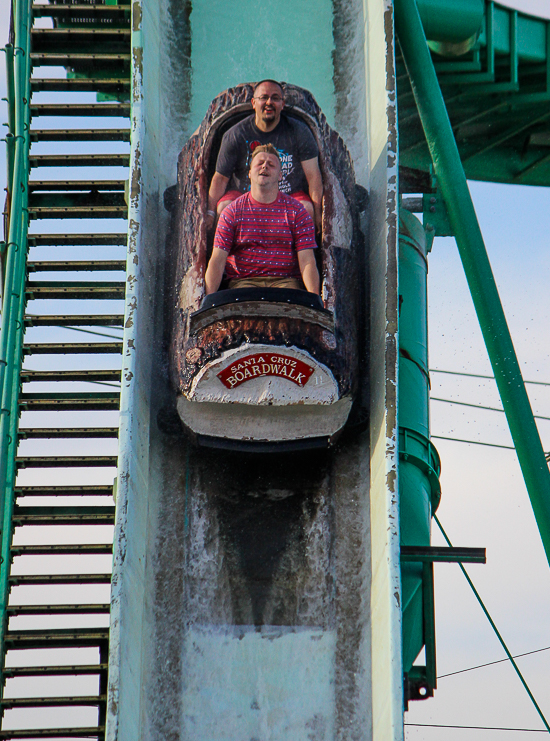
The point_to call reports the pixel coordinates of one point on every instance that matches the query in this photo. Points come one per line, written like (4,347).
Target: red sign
(266,364)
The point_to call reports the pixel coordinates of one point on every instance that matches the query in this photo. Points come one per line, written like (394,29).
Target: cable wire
(478,375)
(89,331)
(494,627)
(477,728)
(478,406)
(490,663)
(473,442)
(478,442)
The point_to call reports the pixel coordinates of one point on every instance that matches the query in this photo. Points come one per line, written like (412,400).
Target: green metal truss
(497,95)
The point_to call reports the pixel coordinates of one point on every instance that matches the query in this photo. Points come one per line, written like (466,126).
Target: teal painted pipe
(6,513)
(10,141)
(13,308)
(14,296)
(454,188)
(419,490)
(451,20)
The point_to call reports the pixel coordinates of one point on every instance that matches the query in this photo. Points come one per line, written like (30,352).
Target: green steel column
(14,301)
(475,261)
(14,296)
(419,490)
(10,140)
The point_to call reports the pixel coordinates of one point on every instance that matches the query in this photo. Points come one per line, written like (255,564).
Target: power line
(495,629)
(473,442)
(478,375)
(477,728)
(478,442)
(477,406)
(490,663)
(89,331)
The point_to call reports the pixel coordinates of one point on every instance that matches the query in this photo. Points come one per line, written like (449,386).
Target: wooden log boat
(265,369)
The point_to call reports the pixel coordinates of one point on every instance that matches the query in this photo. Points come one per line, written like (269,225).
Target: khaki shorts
(267,283)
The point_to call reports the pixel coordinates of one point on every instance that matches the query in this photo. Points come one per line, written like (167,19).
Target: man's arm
(218,187)
(308,269)
(315,186)
(214,271)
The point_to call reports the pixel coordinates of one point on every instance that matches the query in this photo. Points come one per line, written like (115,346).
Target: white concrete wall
(183,645)
(387,689)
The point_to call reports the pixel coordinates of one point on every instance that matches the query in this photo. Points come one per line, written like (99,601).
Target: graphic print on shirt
(287,165)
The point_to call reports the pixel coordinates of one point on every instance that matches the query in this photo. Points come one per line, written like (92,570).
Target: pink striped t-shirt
(263,239)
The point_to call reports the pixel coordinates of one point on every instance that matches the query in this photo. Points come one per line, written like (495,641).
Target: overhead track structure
(496,90)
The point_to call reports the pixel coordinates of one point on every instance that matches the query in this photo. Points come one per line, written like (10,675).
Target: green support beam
(462,215)
(13,299)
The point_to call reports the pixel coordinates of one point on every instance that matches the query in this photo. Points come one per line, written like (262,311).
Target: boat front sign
(266,364)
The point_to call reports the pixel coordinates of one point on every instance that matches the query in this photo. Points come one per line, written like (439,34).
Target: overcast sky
(484,500)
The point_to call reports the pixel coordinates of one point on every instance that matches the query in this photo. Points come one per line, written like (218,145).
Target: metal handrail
(13,298)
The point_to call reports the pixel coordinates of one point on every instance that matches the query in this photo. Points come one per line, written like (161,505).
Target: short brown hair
(273,82)
(268,149)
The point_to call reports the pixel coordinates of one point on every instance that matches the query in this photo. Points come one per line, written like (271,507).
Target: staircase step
(47,702)
(76,266)
(95,732)
(46,39)
(47,671)
(66,461)
(42,579)
(76,201)
(105,510)
(59,638)
(79,160)
(82,185)
(61,550)
(99,490)
(95,11)
(79,135)
(96,401)
(50,433)
(66,348)
(75,290)
(77,320)
(60,84)
(83,62)
(80,109)
(28,376)
(77,212)
(16,610)
(76,240)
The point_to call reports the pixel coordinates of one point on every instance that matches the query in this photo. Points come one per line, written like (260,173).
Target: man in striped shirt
(264,238)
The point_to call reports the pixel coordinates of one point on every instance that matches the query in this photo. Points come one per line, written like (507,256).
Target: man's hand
(214,271)
(308,269)
(210,219)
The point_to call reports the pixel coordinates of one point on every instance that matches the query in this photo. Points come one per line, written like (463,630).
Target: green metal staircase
(59,423)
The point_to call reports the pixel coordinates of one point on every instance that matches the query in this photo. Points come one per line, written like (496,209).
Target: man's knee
(226,199)
(305,200)
(308,205)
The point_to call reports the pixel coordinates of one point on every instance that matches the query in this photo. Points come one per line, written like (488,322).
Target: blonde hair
(267,149)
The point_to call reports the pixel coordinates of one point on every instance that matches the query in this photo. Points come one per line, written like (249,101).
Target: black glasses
(265,98)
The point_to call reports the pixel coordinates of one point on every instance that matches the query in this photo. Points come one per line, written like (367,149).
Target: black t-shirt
(292,139)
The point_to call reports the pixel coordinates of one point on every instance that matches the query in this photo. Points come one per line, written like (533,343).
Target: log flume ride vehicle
(265,368)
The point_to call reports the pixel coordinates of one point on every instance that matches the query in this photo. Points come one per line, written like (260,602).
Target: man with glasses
(294,142)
